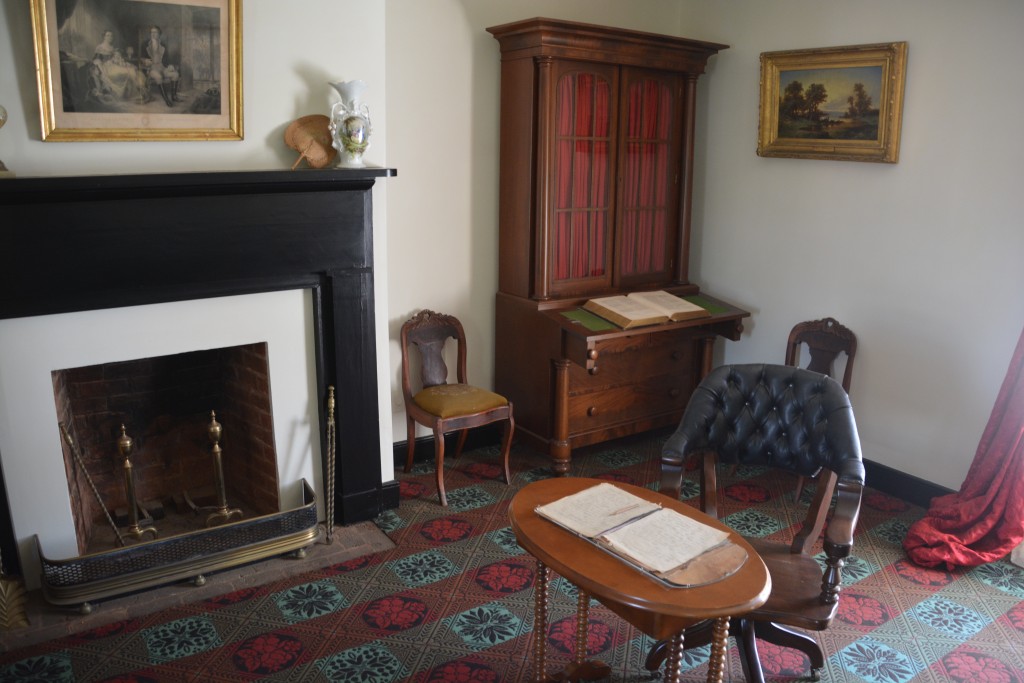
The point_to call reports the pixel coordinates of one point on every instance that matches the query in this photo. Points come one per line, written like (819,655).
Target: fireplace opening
(147,430)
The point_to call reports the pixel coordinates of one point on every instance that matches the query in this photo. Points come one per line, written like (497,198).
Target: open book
(667,544)
(644,308)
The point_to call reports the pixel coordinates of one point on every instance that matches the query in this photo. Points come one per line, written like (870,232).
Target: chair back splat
(826,340)
(430,332)
(797,420)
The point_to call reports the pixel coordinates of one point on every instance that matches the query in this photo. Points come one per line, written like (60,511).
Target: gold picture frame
(842,103)
(132,70)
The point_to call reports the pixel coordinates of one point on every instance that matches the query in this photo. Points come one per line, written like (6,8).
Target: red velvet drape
(985,519)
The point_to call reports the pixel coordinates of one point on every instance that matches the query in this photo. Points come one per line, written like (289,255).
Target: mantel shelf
(28,189)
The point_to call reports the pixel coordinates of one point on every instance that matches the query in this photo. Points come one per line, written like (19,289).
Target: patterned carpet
(453,601)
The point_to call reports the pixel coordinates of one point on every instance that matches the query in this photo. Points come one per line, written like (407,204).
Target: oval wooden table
(659,610)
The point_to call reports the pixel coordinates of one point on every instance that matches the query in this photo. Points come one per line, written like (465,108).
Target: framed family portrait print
(842,103)
(123,70)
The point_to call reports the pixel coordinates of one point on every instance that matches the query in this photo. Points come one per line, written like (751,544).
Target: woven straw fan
(311,138)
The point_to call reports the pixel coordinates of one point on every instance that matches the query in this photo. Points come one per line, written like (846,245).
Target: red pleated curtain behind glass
(645,183)
(581,168)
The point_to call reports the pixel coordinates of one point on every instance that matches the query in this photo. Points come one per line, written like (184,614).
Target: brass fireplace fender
(82,579)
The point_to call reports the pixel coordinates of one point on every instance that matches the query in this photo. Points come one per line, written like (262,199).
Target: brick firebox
(165,404)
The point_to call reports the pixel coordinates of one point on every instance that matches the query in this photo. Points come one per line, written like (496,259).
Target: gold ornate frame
(848,137)
(64,70)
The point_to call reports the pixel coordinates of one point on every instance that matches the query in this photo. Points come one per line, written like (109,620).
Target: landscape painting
(824,104)
(841,103)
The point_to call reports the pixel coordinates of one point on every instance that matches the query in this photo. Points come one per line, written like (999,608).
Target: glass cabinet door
(582,197)
(648,191)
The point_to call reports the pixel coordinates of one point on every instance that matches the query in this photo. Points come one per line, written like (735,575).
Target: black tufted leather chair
(798,420)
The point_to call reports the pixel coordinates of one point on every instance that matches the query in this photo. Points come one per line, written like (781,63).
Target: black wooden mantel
(83,243)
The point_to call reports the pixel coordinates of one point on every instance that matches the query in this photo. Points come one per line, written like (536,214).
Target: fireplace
(112,245)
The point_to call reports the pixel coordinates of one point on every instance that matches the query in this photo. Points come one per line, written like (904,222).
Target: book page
(663,540)
(671,305)
(627,307)
(624,311)
(596,510)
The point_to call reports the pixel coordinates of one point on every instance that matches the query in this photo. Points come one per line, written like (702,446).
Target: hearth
(109,242)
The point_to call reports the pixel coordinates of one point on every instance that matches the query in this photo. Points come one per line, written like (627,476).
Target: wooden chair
(826,340)
(441,406)
(789,418)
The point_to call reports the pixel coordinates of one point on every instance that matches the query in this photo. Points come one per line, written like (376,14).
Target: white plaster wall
(290,52)
(921,259)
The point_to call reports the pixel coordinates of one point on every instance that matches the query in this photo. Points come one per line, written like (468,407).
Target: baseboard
(363,505)
(879,477)
(902,485)
(488,435)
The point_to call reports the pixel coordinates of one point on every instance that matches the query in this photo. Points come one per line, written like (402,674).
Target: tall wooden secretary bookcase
(597,145)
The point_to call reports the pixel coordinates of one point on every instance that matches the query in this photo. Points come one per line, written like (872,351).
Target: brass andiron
(125,446)
(221,512)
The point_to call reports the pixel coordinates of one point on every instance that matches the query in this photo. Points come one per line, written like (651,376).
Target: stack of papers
(658,540)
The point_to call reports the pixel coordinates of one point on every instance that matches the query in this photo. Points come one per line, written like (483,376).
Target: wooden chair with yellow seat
(441,406)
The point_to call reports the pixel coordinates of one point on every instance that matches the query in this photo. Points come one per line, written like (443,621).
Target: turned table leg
(582,626)
(716,663)
(674,659)
(719,643)
(581,668)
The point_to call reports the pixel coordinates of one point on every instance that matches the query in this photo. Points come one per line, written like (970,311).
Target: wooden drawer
(629,359)
(609,405)
(638,376)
